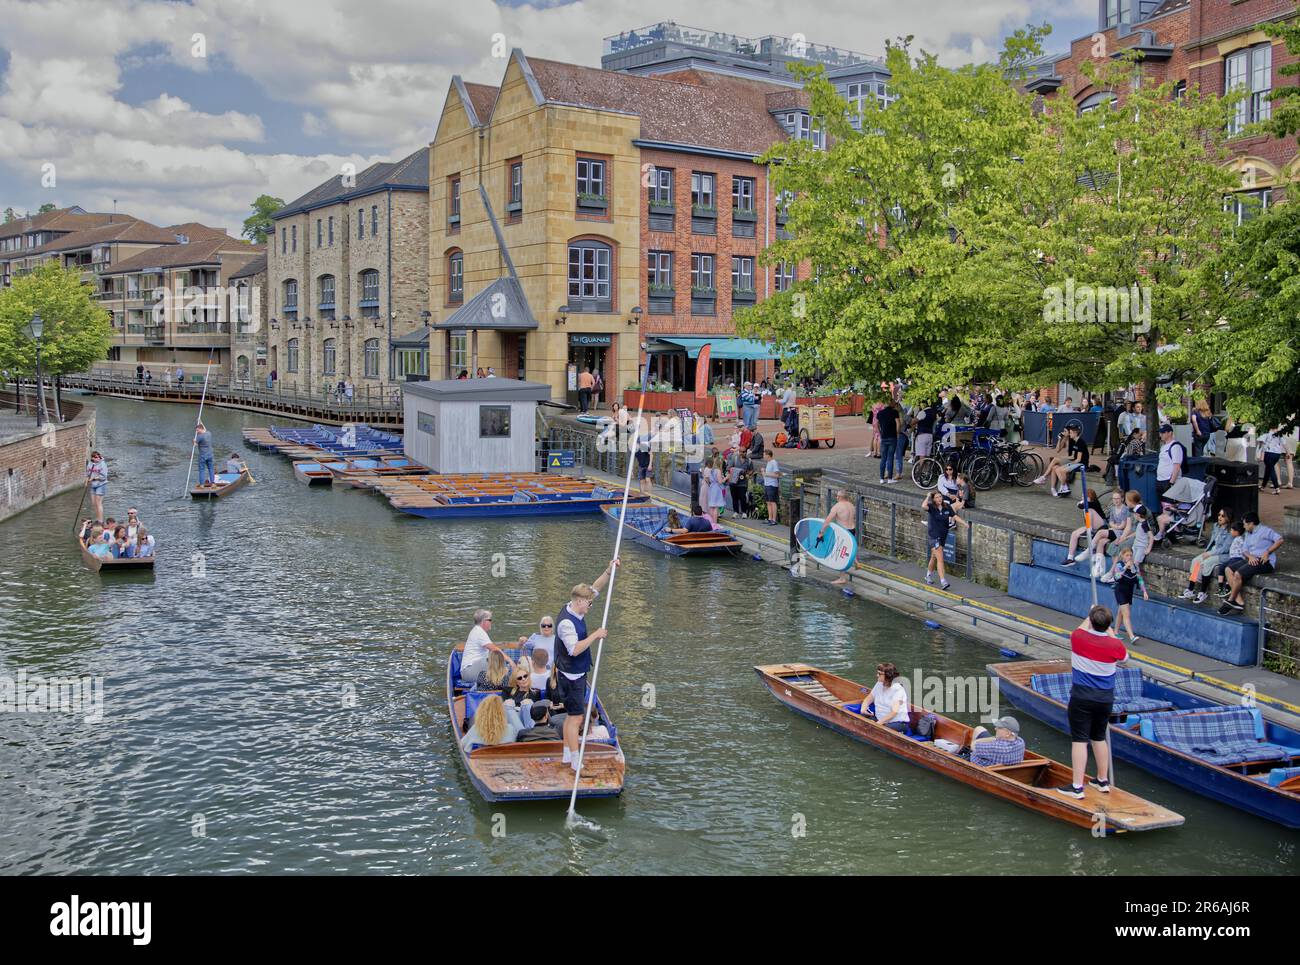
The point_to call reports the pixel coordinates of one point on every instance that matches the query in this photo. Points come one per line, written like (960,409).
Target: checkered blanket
(1128,691)
(1226,736)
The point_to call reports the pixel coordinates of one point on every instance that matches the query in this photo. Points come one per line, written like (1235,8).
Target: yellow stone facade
(548,139)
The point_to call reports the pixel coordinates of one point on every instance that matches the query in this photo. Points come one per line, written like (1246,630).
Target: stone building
(248,348)
(347,271)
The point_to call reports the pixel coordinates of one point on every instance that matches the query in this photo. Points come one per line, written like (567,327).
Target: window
(292,363)
(742,194)
(784,275)
(361,224)
(661,187)
(456,277)
(1252,70)
(742,273)
(284,241)
(659,275)
(325,297)
(293,239)
(591,181)
(320,242)
(369,303)
(702,274)
(494,422)
(1248,204)
(374,221)
(1117,12)
(1103,98)
(589,276)
(517,185)
(329,356)
(702,191)
(331,231)
(783,199)
(370,353)
(457,351)
(291,297)
(453,203)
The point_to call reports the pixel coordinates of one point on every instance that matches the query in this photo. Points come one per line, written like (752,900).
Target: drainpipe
(389,193)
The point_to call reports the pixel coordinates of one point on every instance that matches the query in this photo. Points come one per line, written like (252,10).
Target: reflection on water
(274,701)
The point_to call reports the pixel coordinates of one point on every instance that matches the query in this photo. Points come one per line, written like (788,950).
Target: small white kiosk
(472,425)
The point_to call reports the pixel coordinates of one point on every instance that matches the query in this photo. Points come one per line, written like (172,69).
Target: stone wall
(37,465)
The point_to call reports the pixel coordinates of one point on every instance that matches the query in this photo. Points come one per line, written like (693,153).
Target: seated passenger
(596,731)
(85,529)
(492,725)
(890,699)
(473,660)
(697,522)
(496,676)
(519,695)
(544,638)
(97,544)
(144,543)
(540,665)
(1005,747)
(121,545)
(539,716)
(235,465)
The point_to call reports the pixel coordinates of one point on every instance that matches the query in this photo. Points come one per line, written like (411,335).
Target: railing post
(893,530)
(970,545)
(1262,634)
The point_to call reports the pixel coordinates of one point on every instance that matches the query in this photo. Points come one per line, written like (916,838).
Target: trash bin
(1236,486)
(1139,473)
(1198,467)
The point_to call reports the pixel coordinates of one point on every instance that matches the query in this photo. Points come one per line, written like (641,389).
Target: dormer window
(1117,12)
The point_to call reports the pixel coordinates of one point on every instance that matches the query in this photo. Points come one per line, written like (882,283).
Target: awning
(416,339)
(500,306)
(745,349)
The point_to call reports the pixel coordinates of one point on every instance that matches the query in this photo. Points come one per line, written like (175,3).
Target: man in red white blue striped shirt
(1095,651)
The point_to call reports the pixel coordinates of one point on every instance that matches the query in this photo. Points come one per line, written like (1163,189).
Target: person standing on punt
(97,478)
(1094,652)
(207,458)
(573,656)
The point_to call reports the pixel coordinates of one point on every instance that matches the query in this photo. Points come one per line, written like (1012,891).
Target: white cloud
(370,75)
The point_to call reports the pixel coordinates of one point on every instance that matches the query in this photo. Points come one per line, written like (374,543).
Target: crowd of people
(542,693)
(111,539)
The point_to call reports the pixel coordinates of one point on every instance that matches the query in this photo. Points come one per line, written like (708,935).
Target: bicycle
(1017,465)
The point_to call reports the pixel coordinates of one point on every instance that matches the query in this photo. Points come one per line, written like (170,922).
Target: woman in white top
(477,647)
(890,698)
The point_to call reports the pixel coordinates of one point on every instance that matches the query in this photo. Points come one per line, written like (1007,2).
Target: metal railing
(1279,634)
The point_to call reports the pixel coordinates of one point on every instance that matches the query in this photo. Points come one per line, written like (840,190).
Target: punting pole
(571,817)
(202,398)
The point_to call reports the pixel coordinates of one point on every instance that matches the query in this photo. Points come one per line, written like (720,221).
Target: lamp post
(35,329)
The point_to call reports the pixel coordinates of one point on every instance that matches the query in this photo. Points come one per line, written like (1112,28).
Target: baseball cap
(1008,723)
(1166,428)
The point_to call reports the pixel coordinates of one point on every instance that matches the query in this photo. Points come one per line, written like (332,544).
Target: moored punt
(532,770)
(226,483)
(98,564)
(1227,752)
(315,473)
(646,524)
(360,472)
(518,494)
(829,700)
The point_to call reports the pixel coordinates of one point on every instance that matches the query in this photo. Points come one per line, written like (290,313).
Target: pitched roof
(130,231)
(484,309)
(713,111)
(254,267)
(61,219)
(194,231)
(211,250)
(482,98)
(410,172)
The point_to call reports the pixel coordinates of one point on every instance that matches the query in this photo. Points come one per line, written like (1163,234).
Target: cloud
(368,77)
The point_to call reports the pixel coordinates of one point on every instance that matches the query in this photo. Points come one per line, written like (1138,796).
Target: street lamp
(35,329)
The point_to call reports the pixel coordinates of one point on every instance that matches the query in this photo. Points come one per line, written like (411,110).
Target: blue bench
(1231,735)
(1191,628)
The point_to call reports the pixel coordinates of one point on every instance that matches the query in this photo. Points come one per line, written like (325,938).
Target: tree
(78,332)
(47,207)
(1284,101)
(10,215)
(871,216)
(258,226)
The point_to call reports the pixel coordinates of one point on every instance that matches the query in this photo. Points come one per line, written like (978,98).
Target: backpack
(924,726)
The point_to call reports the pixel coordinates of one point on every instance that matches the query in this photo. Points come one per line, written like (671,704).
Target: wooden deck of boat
(1031,783)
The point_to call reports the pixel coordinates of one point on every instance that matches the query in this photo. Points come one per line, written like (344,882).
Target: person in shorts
(1095,652)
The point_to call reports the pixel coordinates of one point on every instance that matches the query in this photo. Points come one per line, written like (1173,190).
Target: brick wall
(36,466)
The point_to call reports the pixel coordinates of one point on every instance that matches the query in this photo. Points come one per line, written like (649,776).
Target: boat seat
(1128,691)
(810,685)
(472,700)
(1226,736)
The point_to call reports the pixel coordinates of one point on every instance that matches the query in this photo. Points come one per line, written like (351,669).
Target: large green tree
(873,215)
(78,331)
(258,225)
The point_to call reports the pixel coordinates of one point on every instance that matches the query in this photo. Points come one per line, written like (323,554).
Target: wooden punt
(226,483)
(1243,786)
(644,527)
(99,565)
(822,696)
(533,770)
(315,473)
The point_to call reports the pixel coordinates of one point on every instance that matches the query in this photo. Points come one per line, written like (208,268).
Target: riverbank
(38,464)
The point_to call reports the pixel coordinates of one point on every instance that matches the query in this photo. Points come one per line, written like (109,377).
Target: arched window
(292,354)
(1099,99)
(329,356)
(242,370)
(290,299)
(325,297)
(372,358)
(455,276)
(591,283)
(369,300)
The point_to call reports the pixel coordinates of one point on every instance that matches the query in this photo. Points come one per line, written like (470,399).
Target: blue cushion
(1053,685)
(1280,774)
(856,708)
(1223,736)
(455,664)
(472,700)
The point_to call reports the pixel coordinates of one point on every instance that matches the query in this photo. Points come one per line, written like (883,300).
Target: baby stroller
(1187,502)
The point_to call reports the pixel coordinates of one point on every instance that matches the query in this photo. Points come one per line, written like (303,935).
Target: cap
(1166,428)
(1008,723)
(583,591)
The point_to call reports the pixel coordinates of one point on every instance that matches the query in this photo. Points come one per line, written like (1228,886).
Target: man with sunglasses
(573,658)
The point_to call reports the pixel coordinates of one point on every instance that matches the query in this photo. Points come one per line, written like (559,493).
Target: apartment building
(20,237)
(172,304)
(347,272)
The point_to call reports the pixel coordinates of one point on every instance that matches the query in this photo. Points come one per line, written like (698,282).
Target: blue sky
(114,97)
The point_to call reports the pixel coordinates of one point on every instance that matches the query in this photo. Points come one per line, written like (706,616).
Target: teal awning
(745,349)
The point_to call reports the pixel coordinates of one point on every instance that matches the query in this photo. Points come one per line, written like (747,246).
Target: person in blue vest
(573,656)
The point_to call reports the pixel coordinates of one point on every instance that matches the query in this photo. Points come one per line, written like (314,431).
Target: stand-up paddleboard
(836,550)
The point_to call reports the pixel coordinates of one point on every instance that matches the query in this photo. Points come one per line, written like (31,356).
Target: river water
(274,701)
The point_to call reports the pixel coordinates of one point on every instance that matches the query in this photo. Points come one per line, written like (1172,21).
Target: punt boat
(827,699)
(531,770)
(98,564)
(315,473)
(646,527)
(1226,752)
(226,483)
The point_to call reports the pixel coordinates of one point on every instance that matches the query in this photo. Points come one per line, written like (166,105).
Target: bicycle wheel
(1036,461)
(926,472)
(1023,470)
(982,472)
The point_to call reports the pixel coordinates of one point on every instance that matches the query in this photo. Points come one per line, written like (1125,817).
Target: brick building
(347,272)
